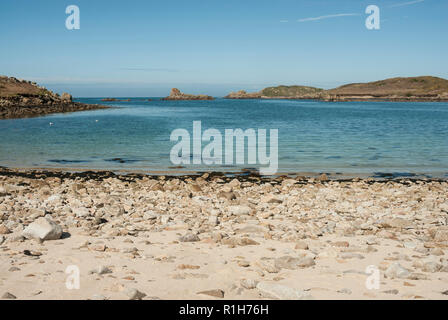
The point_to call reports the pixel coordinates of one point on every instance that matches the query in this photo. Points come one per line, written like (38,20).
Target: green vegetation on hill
(406,87)
(12,87)
(290,91)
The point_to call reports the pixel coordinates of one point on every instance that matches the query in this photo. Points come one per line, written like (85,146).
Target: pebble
(395,270)
(8,295)
(301,246)
(189,237)
(4,229)
(277,291)
(345,291)
(100,270)
(134,294)
(248,283)
(218,293)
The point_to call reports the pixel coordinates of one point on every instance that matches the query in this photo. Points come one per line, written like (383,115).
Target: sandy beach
(217,237)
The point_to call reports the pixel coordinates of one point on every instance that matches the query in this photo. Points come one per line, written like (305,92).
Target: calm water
(349,137)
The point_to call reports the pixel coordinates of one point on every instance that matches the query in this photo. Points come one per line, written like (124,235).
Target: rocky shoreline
(24,99)
(216,237)
(26,107)
(411,89)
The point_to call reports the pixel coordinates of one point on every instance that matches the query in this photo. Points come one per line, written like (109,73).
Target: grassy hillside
(290,91)
(10,87)
(404,87)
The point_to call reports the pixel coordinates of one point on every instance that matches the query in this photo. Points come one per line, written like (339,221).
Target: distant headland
(424,88)
(22,99)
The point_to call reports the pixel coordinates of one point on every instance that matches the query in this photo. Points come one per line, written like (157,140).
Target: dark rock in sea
(120,160)
(62,161)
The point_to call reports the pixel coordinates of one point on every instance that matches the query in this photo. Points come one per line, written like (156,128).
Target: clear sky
(145,47)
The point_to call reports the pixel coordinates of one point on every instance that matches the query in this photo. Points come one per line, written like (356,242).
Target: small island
(280,92)
(395,89)
(416,89)
(23,99)
(176,94)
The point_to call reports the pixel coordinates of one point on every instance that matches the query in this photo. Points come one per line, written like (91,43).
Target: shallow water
(348,137)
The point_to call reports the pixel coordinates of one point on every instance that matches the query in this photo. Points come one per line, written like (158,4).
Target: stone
(218,293)
(66,97)
(8,295)
(392,291)
(432,266)
(213,220)
(189,237)
(248,283)
(227,195)
(340,244)
(351,255)
(395,270)
(437,252)
(134,294)
(187,266)
(271,199)
(243,263)
(251,229)
(101,270)
(240,210)
(43,229)
(277,291)
(4,229)
(322,178)
(345,291)
(268,265)
(397,223)
(291,263)
(440,234)
(301,245)
(239,242)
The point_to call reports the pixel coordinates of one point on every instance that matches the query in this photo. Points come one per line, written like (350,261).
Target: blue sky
(145,47)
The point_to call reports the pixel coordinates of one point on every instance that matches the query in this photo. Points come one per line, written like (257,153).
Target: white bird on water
(51,123)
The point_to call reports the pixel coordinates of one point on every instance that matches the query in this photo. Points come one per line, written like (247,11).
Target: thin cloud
(151,69)
(406,3)
(328,17)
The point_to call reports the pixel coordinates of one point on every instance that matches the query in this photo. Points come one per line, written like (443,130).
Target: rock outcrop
(242,94)
(176,94)
(22,98)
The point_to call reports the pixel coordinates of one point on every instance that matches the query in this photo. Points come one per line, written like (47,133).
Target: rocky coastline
(176,94)
(412,89)
(23,99)
(215,237)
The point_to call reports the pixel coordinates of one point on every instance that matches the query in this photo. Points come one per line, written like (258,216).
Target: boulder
(66,97)
(43,229)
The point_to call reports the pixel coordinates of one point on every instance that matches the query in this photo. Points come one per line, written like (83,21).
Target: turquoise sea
(342,137)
